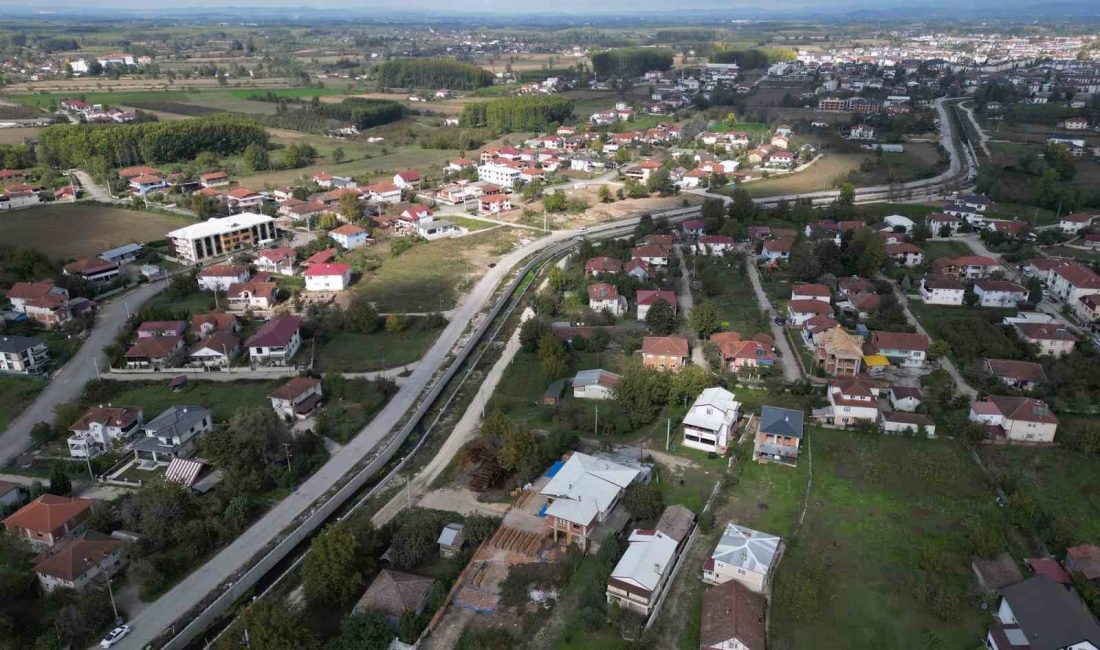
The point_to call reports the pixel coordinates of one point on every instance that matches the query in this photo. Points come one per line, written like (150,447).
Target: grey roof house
(779,436)
(394,594)
(451,539)
(173,434)
(1040,614)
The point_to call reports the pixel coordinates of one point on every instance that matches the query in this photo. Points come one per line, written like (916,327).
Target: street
(68,383)
(791,370)
(962,387)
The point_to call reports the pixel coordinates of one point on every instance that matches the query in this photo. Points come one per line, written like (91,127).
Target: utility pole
(247,641)
(112,594)
(96,362)
(597,421)
(668,433)
(286,446)
(408,491)
(91,475)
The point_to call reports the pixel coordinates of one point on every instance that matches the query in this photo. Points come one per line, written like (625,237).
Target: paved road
(68,383)
(961,386)
(92,188)
(686,303)
(983,138)
(791,370)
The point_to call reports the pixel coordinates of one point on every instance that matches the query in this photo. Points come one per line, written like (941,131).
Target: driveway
(94,189)
(68,383)
(686,302)
(961,386)
(789,363)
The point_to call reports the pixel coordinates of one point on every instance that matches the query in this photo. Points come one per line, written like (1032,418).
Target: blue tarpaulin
(554,468)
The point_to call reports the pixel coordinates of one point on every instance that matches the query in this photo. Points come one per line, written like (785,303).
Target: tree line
(17,156)
(631,61)
(76,145)
(530,113)
(363,113)
(432,73)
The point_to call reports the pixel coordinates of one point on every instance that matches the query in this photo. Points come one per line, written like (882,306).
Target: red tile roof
(90,266)
(811,290)
(317,270)
(154,347)
(295,387)
(676,346)
(603,265)
(49,512)
(650,296)
(809,307)
(30,290)
(277,332)
(224,271)
(899,341)
(72,558)
(112,416)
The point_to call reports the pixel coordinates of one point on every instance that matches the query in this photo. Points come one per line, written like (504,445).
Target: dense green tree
(432,74)
(661,318)
(531,332)
(630,61)
(703,319)
(520,113)
(644,501)
(330,575)
(363,631)
(59,480)
(248,450)
(269,625)
(553,357)
(642,392)
(256,157)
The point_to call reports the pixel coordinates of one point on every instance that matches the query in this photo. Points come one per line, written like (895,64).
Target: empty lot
(84,229)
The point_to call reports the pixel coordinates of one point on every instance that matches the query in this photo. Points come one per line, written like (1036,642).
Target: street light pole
(286,446)
(112,594)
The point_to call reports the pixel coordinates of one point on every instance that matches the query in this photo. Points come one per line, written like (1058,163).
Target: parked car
(114,636)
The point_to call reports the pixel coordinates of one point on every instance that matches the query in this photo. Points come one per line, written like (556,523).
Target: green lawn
(198,302)
(235,99)
(1062,482)
(16,394)
(883,559)
(472,225)
(365,163)
(520,390)
(353,352)
(946,248)
(223,398)
(736,302)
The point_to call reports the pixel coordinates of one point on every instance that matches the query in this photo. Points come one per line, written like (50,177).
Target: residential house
(819,292)
(350,236)
(302,210)
(1072,224)
(711,423)
(641,574)
(93,270)
(276,342)
(1052,339)
(1072,280)
(905,254)
(942,290)
(203,325)
(815,326)
(839,353)
(738,354)
(1015,419)
(651,254)
(901,348)
(101,427)
(851,400)
(1040,614)
(800,311)
(776,250)
(214,179)
(714,244)
(943,225)
(383,192)
(665,352)
(605,297)
(215,351)
(153,328)
(154,352)
(694,227)
(745,555)
(23,355)
(242,296)
(1087,308)
(595,384)
(51,311)
(173,434)
(122,254)
(598,266)
(494,204)
(583,493)
(280,261)
(1018,374)
(49,519)
(220,276)
(407,179)
(76,562)
(648,297)
(778,436)
(297,398)
(905,398)
(147,183)
(242,198)
(967,267)
(451,539)
(21,293)
(327,277)
(732,618)
(638,269)
(11,494)
(999,293)
(781,159)
(902,422)
(395,595)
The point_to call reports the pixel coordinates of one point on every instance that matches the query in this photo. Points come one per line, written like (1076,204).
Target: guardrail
(234,590)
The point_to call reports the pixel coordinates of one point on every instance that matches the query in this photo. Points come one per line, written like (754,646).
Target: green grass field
(883,559)
(88,229)
(383,162)
(736,303)
(352,352)
(472,225)
(223,398)
(16,394)
(234,100)
(946,248)
(818,177)
(1050,476)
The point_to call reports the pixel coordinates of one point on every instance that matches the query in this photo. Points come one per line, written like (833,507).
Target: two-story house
(778,436)
(297,398)
(173,434)
(582,493)
(901,348)
(102,426)
(745,555)
(711,423)
(605,297)
(276,342)
(78,561)
(1015,419)
(49,519)
(23,355)
(1052,339)
(942,290)
(665,352)
(999,293)
(851,400)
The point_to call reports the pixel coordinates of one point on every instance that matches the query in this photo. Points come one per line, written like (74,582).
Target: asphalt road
(791,370)
(68,383)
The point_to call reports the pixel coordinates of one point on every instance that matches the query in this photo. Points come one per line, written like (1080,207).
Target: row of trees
(362,112)
(631,61)
(17,156)
(525,113)
(77,145)
(432,73)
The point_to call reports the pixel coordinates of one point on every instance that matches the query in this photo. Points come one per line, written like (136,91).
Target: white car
(114,636)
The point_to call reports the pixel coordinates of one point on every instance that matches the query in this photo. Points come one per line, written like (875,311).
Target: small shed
(997,573)
(451,539)
(554,392)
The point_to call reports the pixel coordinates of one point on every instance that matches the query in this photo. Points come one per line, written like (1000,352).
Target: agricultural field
(881,509)
(1048,475)
(19,134)
(429,276)
(736,303)
(89,229)
(181,102)
(16,393)
(372,162)
(821,175)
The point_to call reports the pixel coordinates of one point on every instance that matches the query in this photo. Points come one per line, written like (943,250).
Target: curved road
(68,383)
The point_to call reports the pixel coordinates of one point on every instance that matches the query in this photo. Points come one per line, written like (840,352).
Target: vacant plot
(738,310)
(181,102)
(946,248)
(883,559)
(352,352)
(1048,475)
(429,276)
(87,229)
(379,161)
(223,398)
(19,134)
(16,393)
(817,177)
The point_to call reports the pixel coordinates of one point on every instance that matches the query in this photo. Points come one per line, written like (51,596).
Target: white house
(220,276)
(999,293)
(277,260)
(102,426)
(714,244)
(595,384)
(297,398)
(743,554)
(1071,224)
(1015,419)
(712,421)
(941,290)
(350,236)
(812,292)
(605,297)
(648,297)
(642,572)
(776,250)
(851,400)
(800,311)
(327,277)
(276,342)
(583,493)
(896,221)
